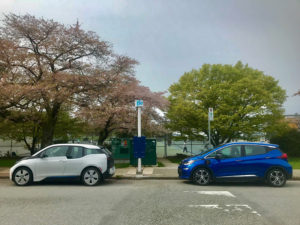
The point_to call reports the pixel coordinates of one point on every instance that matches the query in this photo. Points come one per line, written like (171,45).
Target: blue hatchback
(240,161)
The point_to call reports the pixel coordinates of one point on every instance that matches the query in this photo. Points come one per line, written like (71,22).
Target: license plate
(112,170)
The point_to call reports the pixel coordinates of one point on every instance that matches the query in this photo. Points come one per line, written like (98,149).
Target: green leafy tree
(26,127)
(246,103)
(22,127)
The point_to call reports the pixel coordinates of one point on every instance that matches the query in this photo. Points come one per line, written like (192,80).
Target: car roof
(80,145)
(68,144)
(252,143)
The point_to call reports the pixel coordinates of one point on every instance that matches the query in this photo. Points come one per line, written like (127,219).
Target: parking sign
(211,114)
(139,103)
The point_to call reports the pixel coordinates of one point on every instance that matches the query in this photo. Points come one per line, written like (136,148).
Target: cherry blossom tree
(114,112)
(46,65)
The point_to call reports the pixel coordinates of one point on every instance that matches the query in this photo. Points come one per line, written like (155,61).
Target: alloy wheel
(277,178)
(91,177)
(22,177)
(201,176)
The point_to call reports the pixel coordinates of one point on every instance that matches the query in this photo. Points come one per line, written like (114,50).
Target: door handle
(238,160)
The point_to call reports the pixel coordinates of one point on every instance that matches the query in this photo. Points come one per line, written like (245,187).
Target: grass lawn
(7,162)
(295,162)
(121,165)
(177,159)
(160,164)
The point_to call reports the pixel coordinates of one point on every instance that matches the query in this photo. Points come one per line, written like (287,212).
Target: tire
(276,177)
(91,176)
(201,176)
(22,176)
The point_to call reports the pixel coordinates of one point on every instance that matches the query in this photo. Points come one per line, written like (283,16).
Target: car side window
(231,152)
(212,155)
(76,152)
(255,150)
(56,151)
(234,151)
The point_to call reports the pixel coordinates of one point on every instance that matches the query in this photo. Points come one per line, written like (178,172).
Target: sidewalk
(4,173)
(167,172)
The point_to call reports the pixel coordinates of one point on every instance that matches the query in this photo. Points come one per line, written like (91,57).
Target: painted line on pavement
(228,208)
(217,193)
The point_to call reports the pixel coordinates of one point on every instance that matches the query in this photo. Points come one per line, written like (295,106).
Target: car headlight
(189,162)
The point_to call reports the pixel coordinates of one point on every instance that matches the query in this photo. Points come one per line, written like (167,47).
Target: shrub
(289,142)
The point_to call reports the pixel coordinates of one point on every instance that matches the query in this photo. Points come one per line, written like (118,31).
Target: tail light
(283,156)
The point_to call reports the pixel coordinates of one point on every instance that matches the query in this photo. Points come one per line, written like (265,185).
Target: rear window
(255,150)
(105,150)
(92,151)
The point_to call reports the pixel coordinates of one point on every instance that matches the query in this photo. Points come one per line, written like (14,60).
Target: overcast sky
(170,37)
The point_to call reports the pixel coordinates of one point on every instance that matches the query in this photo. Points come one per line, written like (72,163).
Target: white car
(88,162)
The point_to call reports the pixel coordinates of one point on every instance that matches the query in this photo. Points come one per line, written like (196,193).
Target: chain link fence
(166,147)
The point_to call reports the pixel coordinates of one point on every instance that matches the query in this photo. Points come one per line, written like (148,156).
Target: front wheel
(91,176)
(22,176)
(276,177)
(201,176)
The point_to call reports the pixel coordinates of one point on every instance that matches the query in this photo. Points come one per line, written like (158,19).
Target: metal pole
(165,156)
(139,135)
(209,132)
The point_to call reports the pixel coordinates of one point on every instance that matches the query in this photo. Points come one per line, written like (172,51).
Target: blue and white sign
(139,103)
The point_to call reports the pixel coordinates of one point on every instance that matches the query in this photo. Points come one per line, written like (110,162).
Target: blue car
(240,161)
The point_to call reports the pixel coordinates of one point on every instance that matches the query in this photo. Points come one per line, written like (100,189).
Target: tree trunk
(103,134)
(49,125)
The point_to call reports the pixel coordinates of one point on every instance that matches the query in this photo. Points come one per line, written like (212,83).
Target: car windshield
(208,150)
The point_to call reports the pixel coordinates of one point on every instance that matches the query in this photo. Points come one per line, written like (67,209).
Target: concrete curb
(144,178)
(160,178)
(140,178)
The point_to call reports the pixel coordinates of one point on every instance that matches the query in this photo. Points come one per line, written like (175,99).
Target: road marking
(206,206)
(228,208)
(218,193)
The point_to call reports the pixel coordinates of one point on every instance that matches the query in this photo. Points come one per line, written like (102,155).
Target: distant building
(293,121)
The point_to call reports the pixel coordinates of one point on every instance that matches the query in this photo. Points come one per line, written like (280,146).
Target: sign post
(210,118)
(139,104)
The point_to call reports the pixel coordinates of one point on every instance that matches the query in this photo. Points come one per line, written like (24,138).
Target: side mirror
(218,156)
(44,156)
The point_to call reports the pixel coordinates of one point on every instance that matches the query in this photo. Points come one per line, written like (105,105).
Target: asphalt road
(149,202)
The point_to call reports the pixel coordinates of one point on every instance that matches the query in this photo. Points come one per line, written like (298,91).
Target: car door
(51,162)
(255,162)
(74,163)
(229,163)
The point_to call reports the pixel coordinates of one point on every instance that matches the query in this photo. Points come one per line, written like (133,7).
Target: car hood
(192,158)
(24,158)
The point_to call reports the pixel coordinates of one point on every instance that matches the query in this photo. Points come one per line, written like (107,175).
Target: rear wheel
(91,176)
(276,177)
(22,176)
(201,176)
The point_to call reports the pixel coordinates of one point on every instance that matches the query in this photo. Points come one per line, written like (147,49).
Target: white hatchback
(89,163)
